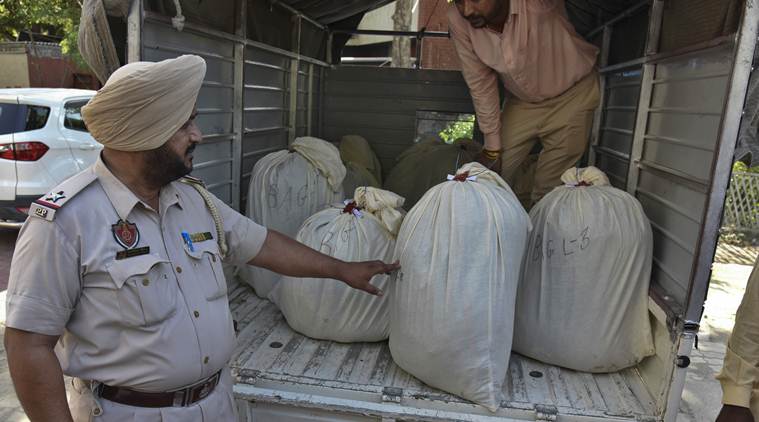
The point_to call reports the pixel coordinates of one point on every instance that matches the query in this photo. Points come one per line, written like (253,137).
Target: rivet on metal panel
(546,413)
(392,394)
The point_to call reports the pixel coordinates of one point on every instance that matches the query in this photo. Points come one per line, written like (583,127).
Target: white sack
(287,187)
(329,309)
(452,310)
(583,298)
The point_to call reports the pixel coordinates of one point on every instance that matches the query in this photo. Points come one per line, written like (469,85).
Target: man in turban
(116,279)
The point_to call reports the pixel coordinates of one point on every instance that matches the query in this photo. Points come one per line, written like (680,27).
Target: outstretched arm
(284,255)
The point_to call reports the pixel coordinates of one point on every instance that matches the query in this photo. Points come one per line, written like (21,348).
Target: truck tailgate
(277,365)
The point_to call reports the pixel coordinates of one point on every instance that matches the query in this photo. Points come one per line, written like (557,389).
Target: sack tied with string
(426,164)
(452,308)
(360,229)
(287,187)
(583,297)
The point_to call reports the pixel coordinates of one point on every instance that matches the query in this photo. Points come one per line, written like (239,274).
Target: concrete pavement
(702,395)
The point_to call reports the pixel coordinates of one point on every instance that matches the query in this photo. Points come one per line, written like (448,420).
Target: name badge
(130,253)
(200,237)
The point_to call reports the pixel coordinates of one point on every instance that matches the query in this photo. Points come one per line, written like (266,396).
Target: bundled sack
(426,164)
(356,149)
(363,229)
(287,187)
(452,307)
(357,176)
(583,297)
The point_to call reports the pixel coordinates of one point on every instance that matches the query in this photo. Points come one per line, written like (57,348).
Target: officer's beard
(163,165)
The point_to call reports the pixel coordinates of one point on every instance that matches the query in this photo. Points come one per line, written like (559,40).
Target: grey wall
(214,156)
(277,95)
(678,148)
(670,135)
(617,124)
(380,104)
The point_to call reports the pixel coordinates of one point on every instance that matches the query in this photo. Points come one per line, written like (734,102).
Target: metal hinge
(392,394)
(546,413)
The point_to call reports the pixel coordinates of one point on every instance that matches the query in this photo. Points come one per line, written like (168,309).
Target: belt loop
(180,398)
(95,389)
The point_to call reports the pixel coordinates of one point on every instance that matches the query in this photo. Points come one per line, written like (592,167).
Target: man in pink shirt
(549,74)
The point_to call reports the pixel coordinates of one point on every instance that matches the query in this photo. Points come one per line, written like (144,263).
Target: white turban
(143,103)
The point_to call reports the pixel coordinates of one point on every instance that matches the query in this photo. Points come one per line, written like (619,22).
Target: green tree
(463,128)
(35,19)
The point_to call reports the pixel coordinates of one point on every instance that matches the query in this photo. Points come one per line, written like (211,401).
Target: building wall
(14,67)
(42,65)
(437,53)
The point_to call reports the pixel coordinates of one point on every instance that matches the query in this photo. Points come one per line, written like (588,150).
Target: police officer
(740,372)
(117,277)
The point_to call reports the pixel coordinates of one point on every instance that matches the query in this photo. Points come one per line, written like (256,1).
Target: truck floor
(270,353)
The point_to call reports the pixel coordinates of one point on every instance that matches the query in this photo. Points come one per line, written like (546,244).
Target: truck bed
(274,364)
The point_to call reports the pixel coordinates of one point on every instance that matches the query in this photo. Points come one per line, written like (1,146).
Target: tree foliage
(35,20)
(463,128)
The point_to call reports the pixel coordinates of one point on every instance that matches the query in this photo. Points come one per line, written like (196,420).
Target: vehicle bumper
(10,217)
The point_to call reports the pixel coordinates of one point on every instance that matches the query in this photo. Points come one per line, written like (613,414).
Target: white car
(43,141)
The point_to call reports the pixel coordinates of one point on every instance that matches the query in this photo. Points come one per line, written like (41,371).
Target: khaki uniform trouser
(561,124)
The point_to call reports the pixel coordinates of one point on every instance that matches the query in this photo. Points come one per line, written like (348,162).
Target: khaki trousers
(561,124)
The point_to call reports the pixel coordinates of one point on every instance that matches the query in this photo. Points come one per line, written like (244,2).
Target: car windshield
(21,118)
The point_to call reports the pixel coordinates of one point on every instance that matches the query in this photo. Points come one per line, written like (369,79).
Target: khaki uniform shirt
(740,374)
(153,322)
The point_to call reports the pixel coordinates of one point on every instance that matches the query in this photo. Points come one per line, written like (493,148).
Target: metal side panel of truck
(665,132)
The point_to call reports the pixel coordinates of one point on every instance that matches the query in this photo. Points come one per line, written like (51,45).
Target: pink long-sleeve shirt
(538,56)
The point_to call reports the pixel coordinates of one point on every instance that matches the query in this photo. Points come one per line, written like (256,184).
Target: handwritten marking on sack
(567,246)
(326,246)
(289,199)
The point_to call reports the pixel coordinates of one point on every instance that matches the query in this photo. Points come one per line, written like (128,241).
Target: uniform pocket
(147,290)
(206,262)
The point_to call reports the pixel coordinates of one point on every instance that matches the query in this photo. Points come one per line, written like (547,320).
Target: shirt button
(145,282)
(205,359)
(197,314)
(179,269)
(96,412)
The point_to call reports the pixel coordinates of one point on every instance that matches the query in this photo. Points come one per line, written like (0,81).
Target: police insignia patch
(55,197)
(126,234)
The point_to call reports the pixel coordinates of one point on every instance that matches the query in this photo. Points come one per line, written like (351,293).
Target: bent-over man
(550,79)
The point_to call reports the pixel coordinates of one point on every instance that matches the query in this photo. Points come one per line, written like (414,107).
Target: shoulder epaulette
(192,181)
(47,205)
